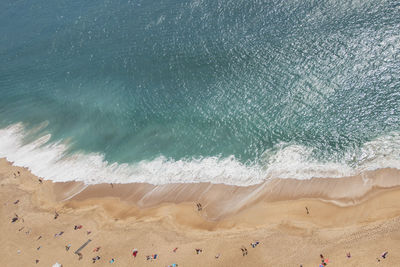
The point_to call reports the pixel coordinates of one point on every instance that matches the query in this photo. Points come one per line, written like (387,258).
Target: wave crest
(51,161)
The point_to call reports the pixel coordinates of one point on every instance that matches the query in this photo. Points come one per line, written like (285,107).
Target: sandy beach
(199,133)
(359,215)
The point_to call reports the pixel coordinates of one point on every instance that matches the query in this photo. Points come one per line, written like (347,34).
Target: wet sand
(359,214)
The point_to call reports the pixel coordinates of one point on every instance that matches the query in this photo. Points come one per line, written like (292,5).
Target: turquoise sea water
(183,91)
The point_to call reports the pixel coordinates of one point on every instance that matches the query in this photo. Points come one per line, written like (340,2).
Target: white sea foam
(50,161)
(383,152)
(295,161)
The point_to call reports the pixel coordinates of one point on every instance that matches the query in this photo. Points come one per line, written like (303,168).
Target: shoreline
(343,192)
(360,214)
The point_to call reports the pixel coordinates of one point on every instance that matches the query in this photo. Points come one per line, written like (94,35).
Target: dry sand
(359,214)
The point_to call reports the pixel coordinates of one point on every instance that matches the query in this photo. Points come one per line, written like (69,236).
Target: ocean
(220,91)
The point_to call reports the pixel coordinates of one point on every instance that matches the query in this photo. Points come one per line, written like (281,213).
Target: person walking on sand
(199,208)
(134,252)
(307,210)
